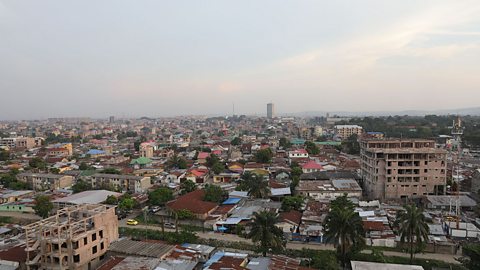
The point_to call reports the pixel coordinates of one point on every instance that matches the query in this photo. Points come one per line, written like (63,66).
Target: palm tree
(264,231)
(345,227)
(255,185)
(176,162)
(412,227)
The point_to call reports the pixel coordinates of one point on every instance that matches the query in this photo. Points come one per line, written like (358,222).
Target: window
(94,237)
(76,258)
(102,246)
(100,233)
(85,241)
(94,249)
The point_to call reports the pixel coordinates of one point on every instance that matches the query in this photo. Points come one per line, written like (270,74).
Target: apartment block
(402,168)
(126,183)
(76,237)
(44,181)
(20,142)
(345,131)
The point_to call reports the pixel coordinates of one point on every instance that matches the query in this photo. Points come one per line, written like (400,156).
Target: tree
(111,200)
(214,194)
(312,148)
(188,186)
(83,166)
(413,228)
(218,168)
(183,214)
(284,143)
(255,185)
(264,155)
(43,206)
(177,162)
(160,196)
(292,203)
(111,171)
(126,203)
(351,145)
(37,163)
(344,226)
(4,155)
(212,160)
(236,141)
(80,186)
(472,256)
(265,232)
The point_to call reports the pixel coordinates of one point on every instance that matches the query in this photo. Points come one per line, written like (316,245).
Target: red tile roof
(193,201)
(203,155)
(293,216)
(312,165)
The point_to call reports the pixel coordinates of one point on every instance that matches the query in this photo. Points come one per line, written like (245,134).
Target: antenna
(233,105)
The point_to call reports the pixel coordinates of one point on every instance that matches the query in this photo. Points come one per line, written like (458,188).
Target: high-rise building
(270,110)
(402,168)
(111,120)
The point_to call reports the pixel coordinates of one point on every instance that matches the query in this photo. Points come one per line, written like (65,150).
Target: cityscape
(256,135)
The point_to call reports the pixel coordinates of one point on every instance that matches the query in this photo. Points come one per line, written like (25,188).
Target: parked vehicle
(132,222)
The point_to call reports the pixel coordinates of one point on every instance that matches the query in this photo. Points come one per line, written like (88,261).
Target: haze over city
(164,58)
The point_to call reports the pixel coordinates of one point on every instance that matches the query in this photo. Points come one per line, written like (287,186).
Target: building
(402,168)
(44,181)
(76,237)
(111,119)
(146,150)
(345,131)
(125,183)
(357,265)
(20,142)
(321,190)
(270,111)
(86,197)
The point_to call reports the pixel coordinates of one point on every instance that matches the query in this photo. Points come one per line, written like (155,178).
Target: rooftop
(140,248)
(89,197)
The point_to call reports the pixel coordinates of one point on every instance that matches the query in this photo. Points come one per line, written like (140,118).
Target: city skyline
(162,59)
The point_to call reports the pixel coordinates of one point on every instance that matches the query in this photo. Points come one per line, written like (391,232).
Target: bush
(169,237)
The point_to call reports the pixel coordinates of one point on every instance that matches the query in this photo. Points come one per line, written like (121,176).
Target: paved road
(298,246)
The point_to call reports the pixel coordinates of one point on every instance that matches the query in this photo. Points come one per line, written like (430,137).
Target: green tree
(4,155)
(264,155)
(312,148)
(292,203)
(218,168)
(256,186)
(471,258)
(214,193)
(37,163)
(284,143)
(177,162)
(126,203)
(183,214)
(80,186)
(110,171)
(43,206)
(212,160)
(83,166)
(160,196)
(111,200)
(236,141)
(344,226)
(351,145)
(188,186)
(264,232)
(413,228)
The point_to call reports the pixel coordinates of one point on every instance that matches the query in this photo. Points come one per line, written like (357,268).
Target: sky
(165,58)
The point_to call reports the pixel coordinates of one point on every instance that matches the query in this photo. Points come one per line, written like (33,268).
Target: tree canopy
(256,186)
(188,186)
(160,196)
(264,155)
(264,232)
(412,228)
(43,206)
(292,203)
(214,193)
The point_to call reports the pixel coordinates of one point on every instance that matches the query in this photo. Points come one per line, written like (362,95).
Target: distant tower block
(111,120)
(270,110)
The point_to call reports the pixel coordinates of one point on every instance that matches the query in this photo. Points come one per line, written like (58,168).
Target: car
(132,222)
(154,209)
(169,225)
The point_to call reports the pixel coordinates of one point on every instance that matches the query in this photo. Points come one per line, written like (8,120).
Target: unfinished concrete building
(402,168)
(76,237)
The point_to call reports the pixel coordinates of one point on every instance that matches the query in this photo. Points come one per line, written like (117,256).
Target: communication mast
(456,152)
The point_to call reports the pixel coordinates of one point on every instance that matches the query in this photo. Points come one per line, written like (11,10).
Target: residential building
(345,131)
(44,181)
(329,189)
(19,142)
(402,168)
(76,237)
(125,183)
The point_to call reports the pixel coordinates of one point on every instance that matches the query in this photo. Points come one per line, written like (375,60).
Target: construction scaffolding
(74,238)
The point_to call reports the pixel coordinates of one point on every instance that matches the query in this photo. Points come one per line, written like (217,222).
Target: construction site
(76,237)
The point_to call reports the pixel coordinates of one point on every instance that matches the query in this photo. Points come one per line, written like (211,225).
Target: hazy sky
(162,58)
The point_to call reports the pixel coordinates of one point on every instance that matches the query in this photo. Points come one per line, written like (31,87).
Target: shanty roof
(140,248)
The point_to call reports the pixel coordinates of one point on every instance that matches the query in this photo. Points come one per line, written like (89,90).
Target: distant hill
(462,111)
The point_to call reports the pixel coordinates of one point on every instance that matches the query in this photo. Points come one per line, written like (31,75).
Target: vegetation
(81,186)
(43,206)
(177,162)
(110,171)
(472,256)
(214,194)
(264,232)
(344,226)
(188,186)
(255,185)
(236,141)
(111,200)
(37,163)
(264,155)
(351,145)
(284,143)
(312,148)
(160,196)
(292,203)
(4,155)
(413,228)
(9,180)
(169,237)
(183,214)
(126,203)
